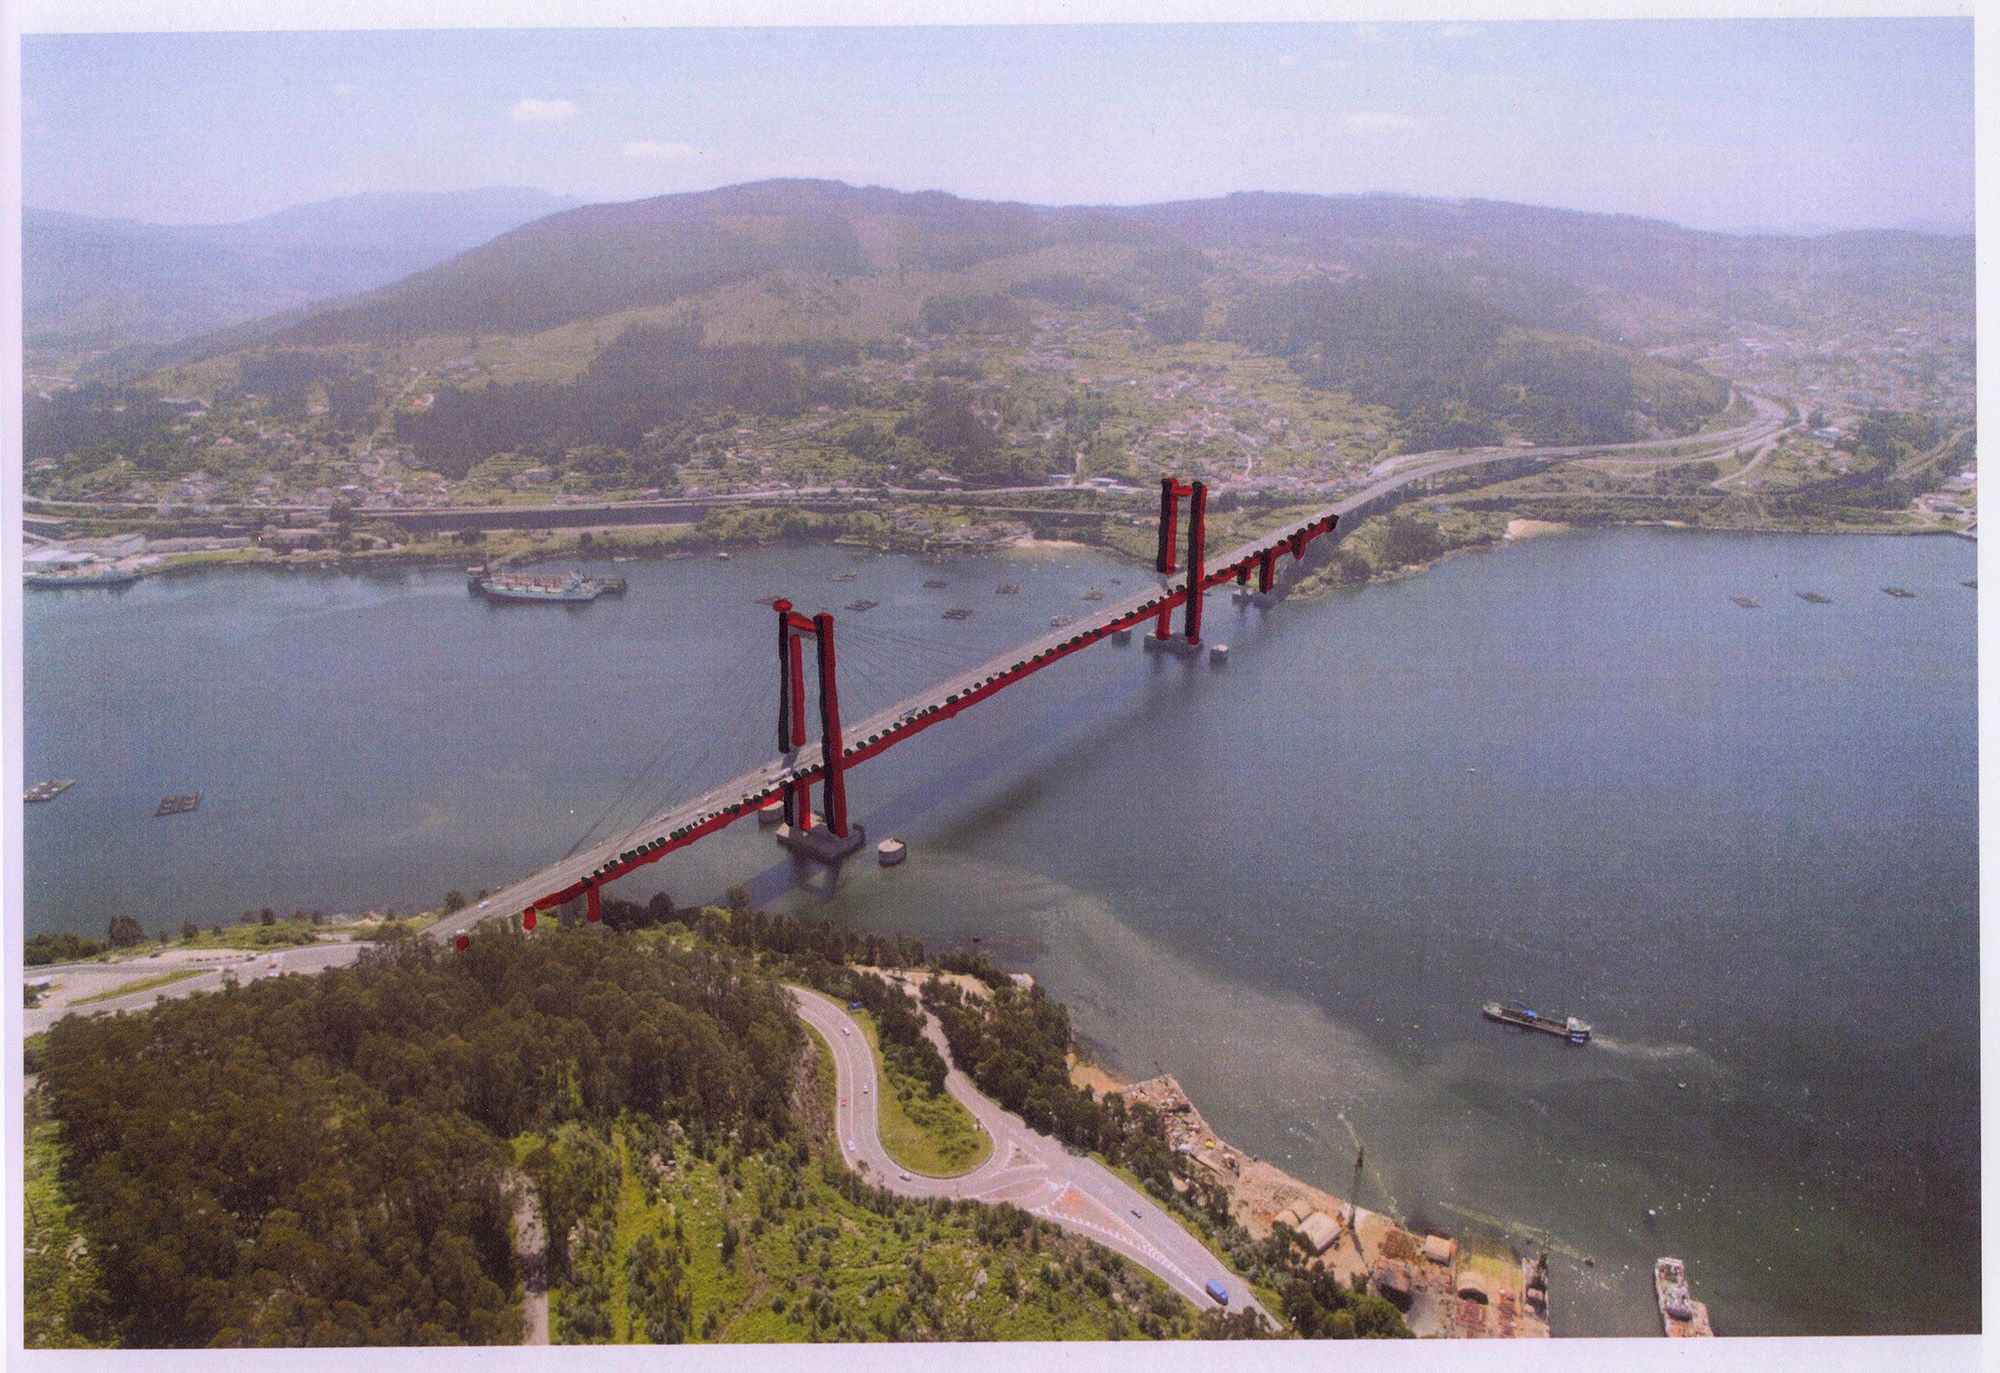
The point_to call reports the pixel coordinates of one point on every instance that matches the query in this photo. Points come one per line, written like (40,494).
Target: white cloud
(1379,119)
(655,151)
(1290,59)
(532,110)
(343,88)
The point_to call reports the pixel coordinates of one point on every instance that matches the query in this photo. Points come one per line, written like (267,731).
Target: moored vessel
(1681,1316)
(89,576)
(570,589)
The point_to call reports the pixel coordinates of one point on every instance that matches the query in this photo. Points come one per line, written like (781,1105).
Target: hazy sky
(1717,124)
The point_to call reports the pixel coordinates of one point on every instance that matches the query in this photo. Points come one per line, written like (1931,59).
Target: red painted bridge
(804,762)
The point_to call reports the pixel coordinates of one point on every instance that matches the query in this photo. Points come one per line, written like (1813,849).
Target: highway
(1032,1170)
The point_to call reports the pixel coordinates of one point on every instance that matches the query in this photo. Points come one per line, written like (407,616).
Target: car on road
(850,1146)
(1216,1290)
(904,1176)
(844,1030)
(1136,1215)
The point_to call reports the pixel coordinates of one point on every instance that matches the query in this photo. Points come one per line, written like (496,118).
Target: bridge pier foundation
(820,843)
(1179,648)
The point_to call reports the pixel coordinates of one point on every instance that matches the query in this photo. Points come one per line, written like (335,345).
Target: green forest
(337,1159)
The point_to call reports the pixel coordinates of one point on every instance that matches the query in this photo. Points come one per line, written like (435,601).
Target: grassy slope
(144,984)
(812,1265)
(924,1133)
(56,1271)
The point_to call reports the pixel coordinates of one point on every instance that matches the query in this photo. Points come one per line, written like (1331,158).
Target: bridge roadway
(689,821)
(870,736)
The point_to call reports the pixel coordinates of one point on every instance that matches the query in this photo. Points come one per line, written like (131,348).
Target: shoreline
(1428,1276)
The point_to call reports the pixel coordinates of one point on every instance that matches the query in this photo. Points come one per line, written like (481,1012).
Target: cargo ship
(1516,1014)
(569,590)
(1681,1316)
(90,576)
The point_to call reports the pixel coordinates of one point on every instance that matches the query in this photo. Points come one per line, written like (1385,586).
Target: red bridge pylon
(834,840)
(1171,494)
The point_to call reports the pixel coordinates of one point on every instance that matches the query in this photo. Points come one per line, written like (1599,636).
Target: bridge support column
(835,839)
(1197,553)
(1162,639)
(593,911)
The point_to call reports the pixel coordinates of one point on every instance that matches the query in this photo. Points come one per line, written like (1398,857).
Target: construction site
(1444,1289)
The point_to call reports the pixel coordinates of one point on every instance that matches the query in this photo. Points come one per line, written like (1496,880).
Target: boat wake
(1650,1052)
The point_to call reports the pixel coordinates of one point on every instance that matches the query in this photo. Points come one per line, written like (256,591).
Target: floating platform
(1095,593)
(1899,593)
(771,813)
(891,852)
(820,843)
(180,804)
(49,790)
(1813,598)
(1121,636)
(1745,602)
(935,583)
(1007,589)
(1218,654)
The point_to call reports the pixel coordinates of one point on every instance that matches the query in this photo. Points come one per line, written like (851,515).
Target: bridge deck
(683,824)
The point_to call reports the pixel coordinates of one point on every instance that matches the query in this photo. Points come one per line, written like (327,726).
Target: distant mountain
(600,259)
(1463,322)
(94,285)
(1626,279)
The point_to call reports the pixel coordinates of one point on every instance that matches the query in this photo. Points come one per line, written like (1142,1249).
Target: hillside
(101,284)
(802,333)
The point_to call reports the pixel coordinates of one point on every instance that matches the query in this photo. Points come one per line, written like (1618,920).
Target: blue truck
(1218,1291)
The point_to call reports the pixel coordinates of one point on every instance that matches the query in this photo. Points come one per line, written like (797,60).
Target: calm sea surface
(1742,843)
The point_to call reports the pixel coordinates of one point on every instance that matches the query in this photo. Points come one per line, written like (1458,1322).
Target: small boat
(1900,593)
(1058,621)
(49,790)
(958,612)
(1094,594)
(1814,598)
(723,556)
(1745,602)
(1681,1315)
(935,583)
(1007,589)
(863,604)
(1519,1015)
(845,576)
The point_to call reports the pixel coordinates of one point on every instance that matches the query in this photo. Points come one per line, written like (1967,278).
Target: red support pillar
(798,678)
(792,711)
(834,788)
(1265,569)
(1170,493)
(593,912)
(1196,552)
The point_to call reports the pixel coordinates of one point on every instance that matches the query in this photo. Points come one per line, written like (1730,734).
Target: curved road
(1033,1171)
